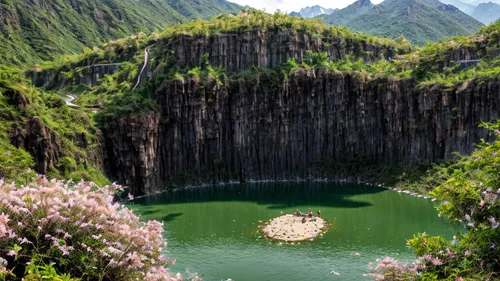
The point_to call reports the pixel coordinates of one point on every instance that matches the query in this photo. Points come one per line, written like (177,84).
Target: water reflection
(275,195)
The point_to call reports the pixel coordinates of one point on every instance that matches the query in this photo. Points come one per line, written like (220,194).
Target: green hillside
(203,8)
(34,31)
(418,20)
(341,17)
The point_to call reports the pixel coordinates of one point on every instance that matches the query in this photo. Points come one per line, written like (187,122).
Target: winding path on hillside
(146,60)
(68,99)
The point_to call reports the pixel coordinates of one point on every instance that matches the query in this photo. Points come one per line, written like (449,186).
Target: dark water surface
(211,230)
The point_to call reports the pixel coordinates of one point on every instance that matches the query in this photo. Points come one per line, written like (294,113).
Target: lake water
(212,230)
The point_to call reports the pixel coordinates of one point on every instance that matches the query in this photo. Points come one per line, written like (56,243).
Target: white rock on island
(290,228)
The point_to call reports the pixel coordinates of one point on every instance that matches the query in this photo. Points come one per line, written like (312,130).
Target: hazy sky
(294,5)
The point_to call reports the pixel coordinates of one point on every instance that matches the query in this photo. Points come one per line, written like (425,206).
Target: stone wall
(263,131)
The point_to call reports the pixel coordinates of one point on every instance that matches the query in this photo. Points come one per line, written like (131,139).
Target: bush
(470,197)
(390,270)
(66,165)
(59,230)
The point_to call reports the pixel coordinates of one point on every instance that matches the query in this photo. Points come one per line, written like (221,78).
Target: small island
(293,228)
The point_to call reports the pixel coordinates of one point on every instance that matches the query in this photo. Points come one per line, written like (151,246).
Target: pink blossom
(436,261)
(12,253)
(4,219)
(387,260)
(65,212)
(428,258)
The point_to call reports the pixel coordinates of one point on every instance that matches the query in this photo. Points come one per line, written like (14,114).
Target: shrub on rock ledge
(65,229)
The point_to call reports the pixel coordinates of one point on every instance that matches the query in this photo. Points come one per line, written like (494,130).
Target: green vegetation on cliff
(40,132)
(114,91)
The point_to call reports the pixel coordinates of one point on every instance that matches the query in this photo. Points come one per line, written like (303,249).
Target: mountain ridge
(418,20)
(486,12)
(464,7)
(348,13)
(313,11)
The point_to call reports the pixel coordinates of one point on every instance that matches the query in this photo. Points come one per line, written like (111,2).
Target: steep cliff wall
(234,51)
(55,79)
(40,141)
(261,130)
(131,152)
(237,51)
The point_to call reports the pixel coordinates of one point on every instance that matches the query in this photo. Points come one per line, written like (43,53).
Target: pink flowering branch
(63,223)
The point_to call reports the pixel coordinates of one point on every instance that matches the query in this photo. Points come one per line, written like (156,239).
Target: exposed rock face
(40,141)
(16,98)
(235,51)
(261,131)
(242,50)
(55,79)
(91,75)
(131,152)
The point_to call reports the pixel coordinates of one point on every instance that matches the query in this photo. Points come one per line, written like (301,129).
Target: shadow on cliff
(276,195)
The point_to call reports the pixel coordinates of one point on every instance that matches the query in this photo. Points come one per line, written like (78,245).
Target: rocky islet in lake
(292,228)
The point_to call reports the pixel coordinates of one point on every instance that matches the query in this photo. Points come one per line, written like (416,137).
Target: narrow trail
(68,100)
(146,60)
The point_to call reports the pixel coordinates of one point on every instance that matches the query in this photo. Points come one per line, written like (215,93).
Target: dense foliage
(470,197)
(20,103)
(55,230)
(419,21)
(40,30)
(257,20)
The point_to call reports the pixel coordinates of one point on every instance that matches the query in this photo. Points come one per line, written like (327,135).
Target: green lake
(212,230)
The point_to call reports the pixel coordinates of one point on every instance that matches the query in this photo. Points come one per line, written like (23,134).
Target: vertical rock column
(131,144)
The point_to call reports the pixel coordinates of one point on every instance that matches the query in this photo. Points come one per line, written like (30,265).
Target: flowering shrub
(389,269)
(470,197)
(49,228)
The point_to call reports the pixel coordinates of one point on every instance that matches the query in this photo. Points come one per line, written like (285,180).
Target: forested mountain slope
(418,20)
(32,31)
(342,16)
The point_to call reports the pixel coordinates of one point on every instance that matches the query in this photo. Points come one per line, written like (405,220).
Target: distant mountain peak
(313,11)
(461,5)
(417,20)
(486,12)
(364,3)
(344,15)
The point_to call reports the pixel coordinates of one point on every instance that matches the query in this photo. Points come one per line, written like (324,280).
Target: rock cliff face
(40,141)
(265,131)
(55,79)
(234,51)
(131,152)
(241,50)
